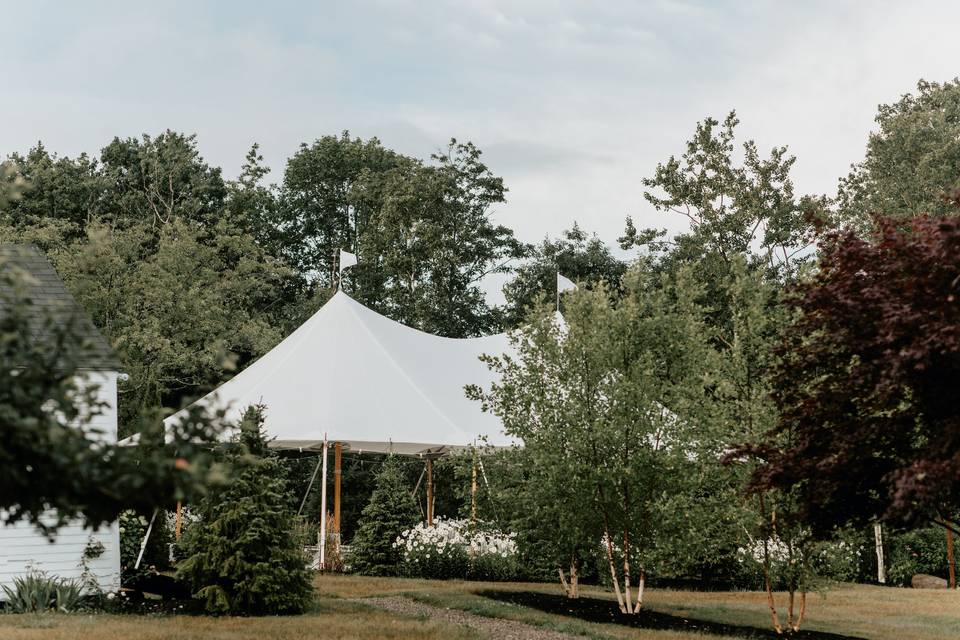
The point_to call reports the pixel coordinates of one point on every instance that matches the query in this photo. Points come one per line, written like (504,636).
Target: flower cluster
(454,548)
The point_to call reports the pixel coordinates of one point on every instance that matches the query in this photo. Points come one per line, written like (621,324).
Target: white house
(22,548)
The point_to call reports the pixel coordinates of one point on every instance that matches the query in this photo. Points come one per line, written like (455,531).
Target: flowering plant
(454,548)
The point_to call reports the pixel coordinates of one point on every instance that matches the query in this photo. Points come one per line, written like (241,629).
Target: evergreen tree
(391,510)
(243,557)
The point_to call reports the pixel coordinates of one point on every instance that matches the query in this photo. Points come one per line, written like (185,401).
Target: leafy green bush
(391,510)
(242,556)
(37,591)
(839,560)
(917,551)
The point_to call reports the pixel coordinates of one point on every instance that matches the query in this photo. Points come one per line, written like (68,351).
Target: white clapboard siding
(22,548)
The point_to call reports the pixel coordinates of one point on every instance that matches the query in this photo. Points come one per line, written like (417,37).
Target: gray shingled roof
(51,301)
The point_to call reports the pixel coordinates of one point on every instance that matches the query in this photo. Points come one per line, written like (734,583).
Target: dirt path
(490,627)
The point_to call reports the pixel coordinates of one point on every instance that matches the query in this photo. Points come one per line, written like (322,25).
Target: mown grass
(329,619)
(861,611)
(879,613)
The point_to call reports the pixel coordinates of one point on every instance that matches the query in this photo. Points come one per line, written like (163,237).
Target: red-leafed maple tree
(868,382)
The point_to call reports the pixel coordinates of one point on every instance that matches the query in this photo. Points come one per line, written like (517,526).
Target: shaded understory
(607,612)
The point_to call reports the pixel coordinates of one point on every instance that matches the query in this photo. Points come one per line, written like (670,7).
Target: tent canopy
(369,383)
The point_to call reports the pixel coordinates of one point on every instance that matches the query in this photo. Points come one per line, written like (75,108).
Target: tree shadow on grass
(607,612)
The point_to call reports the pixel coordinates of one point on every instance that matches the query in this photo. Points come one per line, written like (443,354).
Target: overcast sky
(572,102)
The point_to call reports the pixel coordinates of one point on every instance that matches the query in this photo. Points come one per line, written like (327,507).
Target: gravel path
(490,627)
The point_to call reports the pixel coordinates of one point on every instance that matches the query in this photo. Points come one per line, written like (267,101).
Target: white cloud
(574,102)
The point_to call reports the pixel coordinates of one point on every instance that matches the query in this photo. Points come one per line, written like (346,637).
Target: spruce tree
(391,510)
(243,557)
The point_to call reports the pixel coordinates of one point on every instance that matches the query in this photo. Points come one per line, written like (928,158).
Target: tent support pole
(146,537)
(429,492)
(323,508)
(177,528)
(310,485)
(337,454)
(473,491)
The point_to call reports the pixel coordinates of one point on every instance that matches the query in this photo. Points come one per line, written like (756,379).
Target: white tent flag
(564,284)
(347,260)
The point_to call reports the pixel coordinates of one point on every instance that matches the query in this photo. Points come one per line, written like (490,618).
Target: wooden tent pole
(177,528)
(429,492)
(337,453)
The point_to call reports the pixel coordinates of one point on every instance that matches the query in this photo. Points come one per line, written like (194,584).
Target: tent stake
(323,508)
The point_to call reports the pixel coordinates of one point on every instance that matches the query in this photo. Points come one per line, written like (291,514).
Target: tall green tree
(599,404)
(173,264)
(185,313)
(317,214)
(911,160)
(735,208)
(391,510)
(62,191)
(577,255)
(431,241)
(158,180)
(243,557)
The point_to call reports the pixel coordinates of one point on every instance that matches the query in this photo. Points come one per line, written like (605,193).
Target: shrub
(242,556)
(839,560)
(917,551)
(37,591)
(456,549)
(390,511)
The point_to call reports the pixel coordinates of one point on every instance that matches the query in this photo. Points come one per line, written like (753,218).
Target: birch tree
(598,401)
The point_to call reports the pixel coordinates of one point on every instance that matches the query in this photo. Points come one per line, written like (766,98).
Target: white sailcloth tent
(371,384)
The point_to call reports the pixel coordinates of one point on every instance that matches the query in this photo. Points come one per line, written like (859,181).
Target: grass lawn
(867,612)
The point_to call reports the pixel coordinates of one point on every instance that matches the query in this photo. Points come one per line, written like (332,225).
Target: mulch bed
(607,612)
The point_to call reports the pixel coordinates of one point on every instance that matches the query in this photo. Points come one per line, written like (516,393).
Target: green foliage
(601,404)
(243,556)
(37,592)
(318,212)
(912,158)
(50,456)
(917,551)
(391,510)
(578,256)
(430,241)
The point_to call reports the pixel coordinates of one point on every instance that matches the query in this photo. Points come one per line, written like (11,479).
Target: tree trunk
(574,578)
(790,597)
(613,572)
(950,560)
(640,585)
(878,539)
(563,582)
(803,609)
(766,572)
(627,596)
(766,582)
